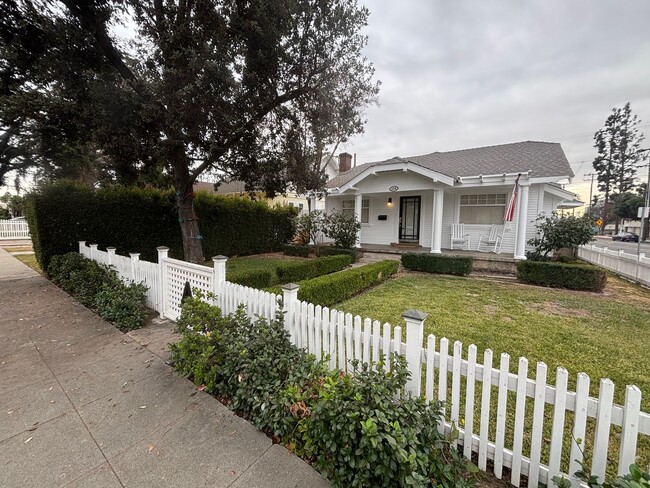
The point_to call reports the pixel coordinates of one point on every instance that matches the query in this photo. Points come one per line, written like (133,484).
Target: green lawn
(604,335)
(259,262)
(29,260)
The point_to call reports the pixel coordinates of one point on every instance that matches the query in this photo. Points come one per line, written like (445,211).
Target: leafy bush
(350,426)
(556,232)
(432,263)
(124,306)
(294,271)
(560,275)
(330,289)
(98,286)
(635,479)
(138,220)
(255,278)
(343,228)
(335,251)
(300,251)
(310,227)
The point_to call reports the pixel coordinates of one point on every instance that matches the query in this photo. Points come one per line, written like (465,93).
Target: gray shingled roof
(543,159)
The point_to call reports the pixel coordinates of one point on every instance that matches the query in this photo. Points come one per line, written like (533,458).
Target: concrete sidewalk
(82,404)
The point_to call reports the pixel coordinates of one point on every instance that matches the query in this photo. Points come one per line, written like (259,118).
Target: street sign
(643,212)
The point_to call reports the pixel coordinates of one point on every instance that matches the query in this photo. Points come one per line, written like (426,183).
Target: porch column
(358,201)
(436,224)
(522,219)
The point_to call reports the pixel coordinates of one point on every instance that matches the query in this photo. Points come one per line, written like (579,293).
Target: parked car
(625,237)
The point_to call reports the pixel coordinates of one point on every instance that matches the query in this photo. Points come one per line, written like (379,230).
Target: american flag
(509,214)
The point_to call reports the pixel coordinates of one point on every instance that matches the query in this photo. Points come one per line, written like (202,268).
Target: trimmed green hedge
(432,263)
(139,220)
(335,251)
(294,271)
(256,278)
(560,275)
(300,251)
(334,288)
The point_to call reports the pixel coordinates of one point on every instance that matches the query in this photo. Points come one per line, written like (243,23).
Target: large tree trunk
(192,239)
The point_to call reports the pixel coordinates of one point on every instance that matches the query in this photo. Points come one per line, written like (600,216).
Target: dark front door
(409,219)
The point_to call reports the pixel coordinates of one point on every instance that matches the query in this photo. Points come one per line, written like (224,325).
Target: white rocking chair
(458,236)
(491,242)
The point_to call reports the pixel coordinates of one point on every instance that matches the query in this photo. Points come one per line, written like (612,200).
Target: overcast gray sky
(460,74)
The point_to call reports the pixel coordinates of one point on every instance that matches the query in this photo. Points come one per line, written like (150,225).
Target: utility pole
(591,187)
(646,205)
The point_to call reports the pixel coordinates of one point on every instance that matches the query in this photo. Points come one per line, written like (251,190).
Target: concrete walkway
(82,404)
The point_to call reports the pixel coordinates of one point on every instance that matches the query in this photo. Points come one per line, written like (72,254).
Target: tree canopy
(252,90)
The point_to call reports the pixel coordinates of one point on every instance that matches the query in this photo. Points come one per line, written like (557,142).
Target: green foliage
(635,479)
(350,426)
(300,251)
(626,205)
(343,228)
(98,287)
(310,227)
(294,271)
(255,278)
(555,232)
(4,214)
(334,251)
(124,306)
(139,220)
(430,263)
(330,289)
(560,275)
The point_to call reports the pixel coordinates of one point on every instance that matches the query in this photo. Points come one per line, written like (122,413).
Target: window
(486,208)
(348,208)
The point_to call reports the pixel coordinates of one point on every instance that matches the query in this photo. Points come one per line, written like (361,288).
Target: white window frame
(347,207)
(483,200)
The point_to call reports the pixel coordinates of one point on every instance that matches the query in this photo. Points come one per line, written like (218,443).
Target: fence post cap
(93,245)
(162,248)
(289,287)
(82,242)
(111,248)
(219,258)
(415,314)
(134,254)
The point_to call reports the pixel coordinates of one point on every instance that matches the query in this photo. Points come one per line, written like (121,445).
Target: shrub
(305,270)
(98,287)
(138,220)
(560,275)
(343,228)
(124,306)
(255,278)
(335,251)
(330,289)
(352,427)
(300,251)
(637,478)
(310,227)
(432,263)
(555,232)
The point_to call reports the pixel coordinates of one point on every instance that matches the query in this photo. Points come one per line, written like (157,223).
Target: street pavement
(84,405)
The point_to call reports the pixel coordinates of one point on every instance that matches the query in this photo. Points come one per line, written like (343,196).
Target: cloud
(471,73)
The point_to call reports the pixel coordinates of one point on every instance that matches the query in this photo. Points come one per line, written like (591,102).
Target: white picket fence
(632,266)
(12,229)
(559,417)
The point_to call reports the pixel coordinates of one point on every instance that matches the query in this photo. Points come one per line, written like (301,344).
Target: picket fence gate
(439,370)
(12,229)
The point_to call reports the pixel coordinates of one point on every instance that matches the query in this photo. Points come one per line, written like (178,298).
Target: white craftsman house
(424,200)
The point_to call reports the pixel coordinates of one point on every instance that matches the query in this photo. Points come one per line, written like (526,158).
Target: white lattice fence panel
(178,273)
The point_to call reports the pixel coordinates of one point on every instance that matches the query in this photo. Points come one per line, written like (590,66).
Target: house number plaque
(394,188)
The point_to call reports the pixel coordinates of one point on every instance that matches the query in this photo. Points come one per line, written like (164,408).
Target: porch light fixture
(390,202)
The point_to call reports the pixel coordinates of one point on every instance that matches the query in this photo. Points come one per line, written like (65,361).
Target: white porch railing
(467,386)
(12,229)
(632,266)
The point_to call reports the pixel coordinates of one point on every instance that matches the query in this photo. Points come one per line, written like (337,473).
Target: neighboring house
(291,199)
(416,200)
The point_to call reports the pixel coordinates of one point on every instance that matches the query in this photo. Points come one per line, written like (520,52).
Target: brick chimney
(345,162)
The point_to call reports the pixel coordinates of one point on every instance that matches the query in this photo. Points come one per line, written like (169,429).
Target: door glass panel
(409,229)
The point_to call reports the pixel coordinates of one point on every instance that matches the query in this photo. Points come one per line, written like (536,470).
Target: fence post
(414,336)
(82,246)
(93,251)
(289,300)
(639,257)
(162,279)
(618,259)
(219,264)
(135,257)
(111,253)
